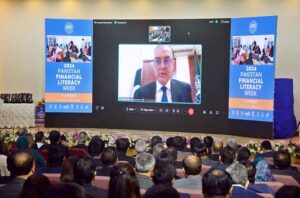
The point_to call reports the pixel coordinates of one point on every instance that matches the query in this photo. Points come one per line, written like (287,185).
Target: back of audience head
(140,146)
(85,170)
(179,143)
(62,190)
(238,173)
(164,159)
(56,157)
(193,141)
(3,148)
(217,147)
(200,149)
(82,138)
(123,182)
(164,175)
(232,143)
(172,152)
(157,191)
(282,159)
(155,140)
(208,141)
(243,155)
(144,162)
(22,131)
(169,141)
(39,136)
(122,144)
(251,171)
(157,149)
(192,165)
(288,191)
(109,156)
(266,145)
(67,173)
(54,137)
(227,155)
(35,186)
(96,146)
(216,182)
(21,163)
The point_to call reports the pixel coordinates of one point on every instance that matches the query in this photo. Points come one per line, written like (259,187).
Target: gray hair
(238,173)
(140,146)
(157,149)
(144,162)
(232,143)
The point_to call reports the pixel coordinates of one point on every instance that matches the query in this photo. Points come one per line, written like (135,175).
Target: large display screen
(172,75)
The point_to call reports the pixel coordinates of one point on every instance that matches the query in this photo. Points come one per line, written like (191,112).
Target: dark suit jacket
(123,157)
(104,171)
(261,188)
(238,192)
(12,189)
(290,171)
(180,91)
(214,157)
(92,191)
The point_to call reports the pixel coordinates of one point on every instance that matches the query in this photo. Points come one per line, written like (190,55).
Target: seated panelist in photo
(164,89)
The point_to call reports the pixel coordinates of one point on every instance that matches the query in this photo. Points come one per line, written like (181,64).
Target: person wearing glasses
(164,89)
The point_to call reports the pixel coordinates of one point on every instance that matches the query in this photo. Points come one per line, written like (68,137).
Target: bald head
(20,163)
(192,165)
(217,146)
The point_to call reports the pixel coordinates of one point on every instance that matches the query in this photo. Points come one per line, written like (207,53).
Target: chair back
(274,185)
(77,152)
(102,182)
(265,195)
(286,180)
(54,178)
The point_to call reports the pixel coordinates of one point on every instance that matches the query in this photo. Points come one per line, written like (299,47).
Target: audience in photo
(155,140)
(144,165)
(82,140)
(263,171)
(95,149)
(35,186)
(200,150)
(55,141)
(39,139)
(4,172)
(238,173)
(157,149)
(67,172)
(267,149)
(288,191)
(257,188)
(122,147)
(208,141)
(161,191)
(21,165)
(232,143)
(193,141)
(243,155)
(84,175)
(169,141)
(216,149)
(192,168)
(216,183)
(140,146)
(227,157)
(282,165)
(109,159)
(123,182)
(180,144)
(173,153)
(62,190)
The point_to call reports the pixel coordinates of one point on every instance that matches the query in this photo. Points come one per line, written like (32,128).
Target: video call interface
(170,75)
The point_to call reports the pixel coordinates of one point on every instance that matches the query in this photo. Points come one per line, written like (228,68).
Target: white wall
(22,31)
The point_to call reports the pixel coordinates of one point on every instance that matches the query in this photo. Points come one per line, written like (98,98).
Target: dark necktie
(164,97)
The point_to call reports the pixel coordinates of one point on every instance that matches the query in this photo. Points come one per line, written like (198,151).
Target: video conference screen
(165,75)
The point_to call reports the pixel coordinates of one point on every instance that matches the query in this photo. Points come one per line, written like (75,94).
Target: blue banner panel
(252,65)
(69,65)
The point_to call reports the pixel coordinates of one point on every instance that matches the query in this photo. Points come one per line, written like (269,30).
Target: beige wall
(22,31)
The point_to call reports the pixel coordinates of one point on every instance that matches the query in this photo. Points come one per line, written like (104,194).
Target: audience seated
(243,155)
(173,153)
(164,175)
(208,141)
(200,150)
(238,173)
(23,144)
(288,191)
(282,165)
(263,171)
(232,143)
(123,182)
(95,149)
(109,159)
(192,168)
(169,141)
(227,157)
(140,146)
(84,175)
(157,149)
(257,188)
(161,191)
(54,137)
(267,149)
(144,165)
(216,149)
(155,140)
(21,165)
(67,172)
(180,144)
(39,139)
(216,183)
(193,141)
(122,147)
(63,190)
(35,186)
(3,164)
(81,142)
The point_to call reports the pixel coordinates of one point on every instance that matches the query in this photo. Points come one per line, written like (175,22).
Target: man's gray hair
(144,162)
(157,149)
(238,173)
(140,146)
(232,143)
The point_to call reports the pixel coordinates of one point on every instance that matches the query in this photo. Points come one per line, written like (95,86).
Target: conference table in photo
(17,115)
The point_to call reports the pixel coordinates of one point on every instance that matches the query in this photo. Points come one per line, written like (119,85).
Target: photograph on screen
(160,73)
(159,34)
(252,50)
(76,49)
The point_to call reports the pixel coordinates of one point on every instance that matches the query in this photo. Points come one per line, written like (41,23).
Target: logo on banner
(69,28)
(253,26)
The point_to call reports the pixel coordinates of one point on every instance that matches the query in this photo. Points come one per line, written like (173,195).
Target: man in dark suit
(164,89)
(109,159)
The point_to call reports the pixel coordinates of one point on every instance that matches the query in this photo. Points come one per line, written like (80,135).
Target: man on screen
(164,89)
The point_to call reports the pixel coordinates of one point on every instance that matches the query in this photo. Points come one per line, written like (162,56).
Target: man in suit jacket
(164,89)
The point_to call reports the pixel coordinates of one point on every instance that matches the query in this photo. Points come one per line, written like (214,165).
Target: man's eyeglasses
(158,61)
